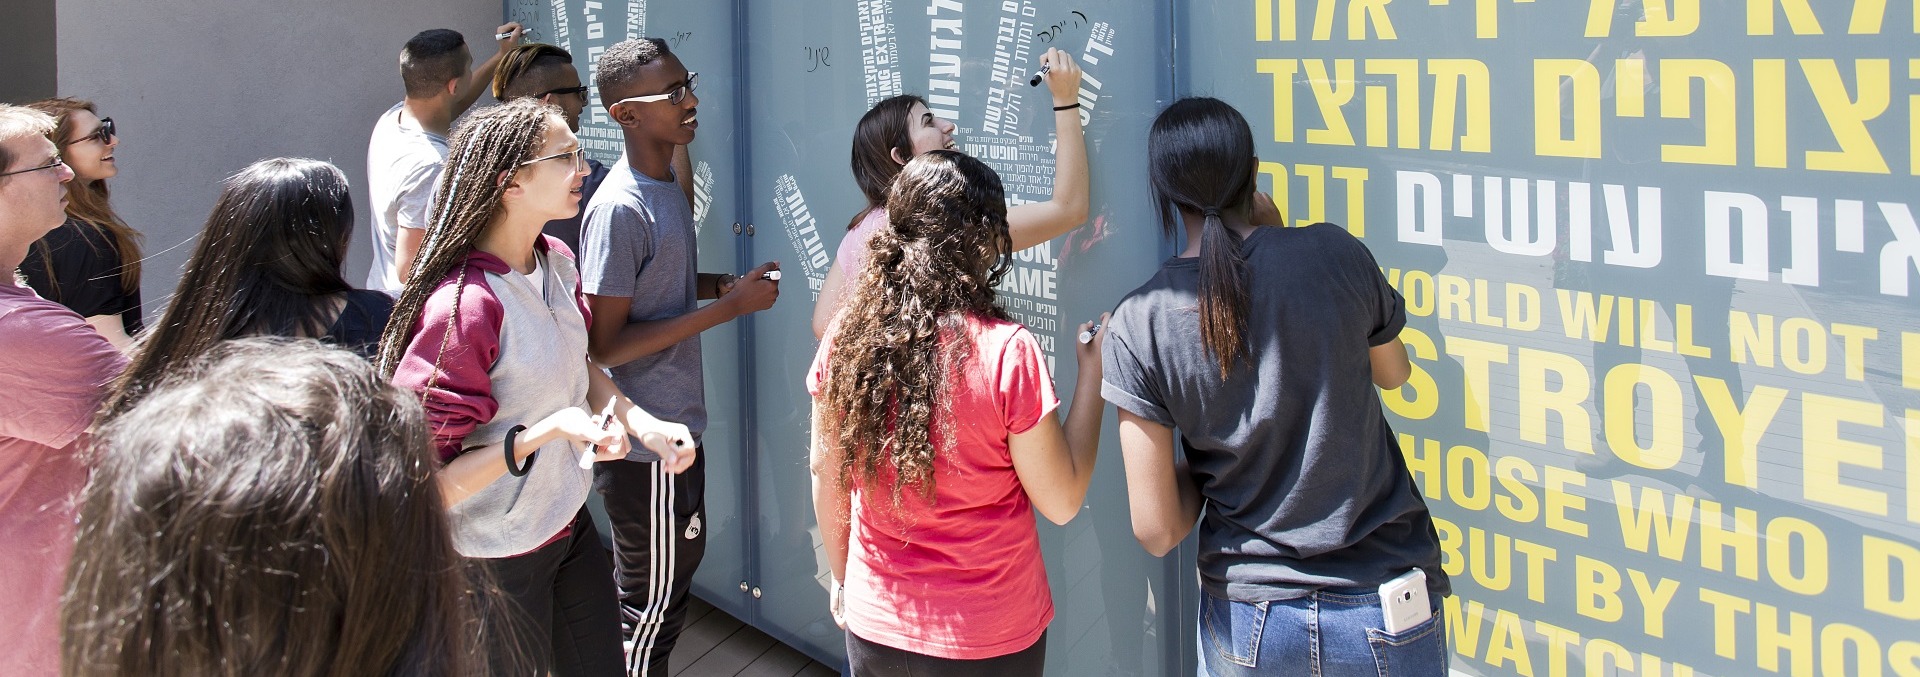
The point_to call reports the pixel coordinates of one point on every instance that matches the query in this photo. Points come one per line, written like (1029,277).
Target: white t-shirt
(403,168)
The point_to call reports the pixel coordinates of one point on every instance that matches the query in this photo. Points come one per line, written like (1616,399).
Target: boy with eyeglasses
(546,72)
(56,369)
(410,142)
(638,267)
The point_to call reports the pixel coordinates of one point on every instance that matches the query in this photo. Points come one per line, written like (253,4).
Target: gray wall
(201,89)
(28,61)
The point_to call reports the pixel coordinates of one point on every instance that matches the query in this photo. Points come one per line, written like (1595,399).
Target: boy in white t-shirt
(410,141)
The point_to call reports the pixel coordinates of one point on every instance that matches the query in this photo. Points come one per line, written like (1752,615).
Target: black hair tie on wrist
(1070,106)
(520,471)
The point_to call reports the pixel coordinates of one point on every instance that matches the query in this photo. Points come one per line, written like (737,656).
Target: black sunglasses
(104,133)
(581,90)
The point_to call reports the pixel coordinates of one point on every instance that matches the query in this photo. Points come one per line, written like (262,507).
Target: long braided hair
(482,159)
(933,268)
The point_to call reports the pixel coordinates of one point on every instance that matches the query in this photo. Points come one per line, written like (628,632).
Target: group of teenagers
(287,474)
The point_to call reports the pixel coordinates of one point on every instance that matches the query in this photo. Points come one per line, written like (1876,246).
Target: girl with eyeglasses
(91,263)
(267,264)
(490,331)
(898,129)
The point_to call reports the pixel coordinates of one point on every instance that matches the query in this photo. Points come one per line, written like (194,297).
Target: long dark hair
(883,130)
(270,509)
(1200,159)
(490,144)
(935,266)
(87,201)
(268,263)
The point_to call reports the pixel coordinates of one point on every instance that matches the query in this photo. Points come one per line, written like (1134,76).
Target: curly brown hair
(935,266)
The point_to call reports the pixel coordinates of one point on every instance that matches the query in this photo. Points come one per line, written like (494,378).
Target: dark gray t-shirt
(1303,481)
(637,241)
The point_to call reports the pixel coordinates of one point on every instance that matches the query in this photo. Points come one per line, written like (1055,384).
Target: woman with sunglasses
(491,333)
(896,130)
(91,263)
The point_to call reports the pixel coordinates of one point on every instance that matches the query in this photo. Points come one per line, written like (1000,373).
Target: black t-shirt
(78,266)
(361,321)
(1304,484)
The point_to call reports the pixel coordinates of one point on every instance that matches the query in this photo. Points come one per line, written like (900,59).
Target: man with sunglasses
(409,143)
(638,265)
(546,72)
(55,369)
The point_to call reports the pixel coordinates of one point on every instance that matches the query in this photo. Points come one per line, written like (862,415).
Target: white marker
(508,34)
(772,275)
(1086,337)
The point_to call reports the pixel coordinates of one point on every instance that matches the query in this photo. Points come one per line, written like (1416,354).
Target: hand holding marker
(1044,69)
(606,421)
(1086,337)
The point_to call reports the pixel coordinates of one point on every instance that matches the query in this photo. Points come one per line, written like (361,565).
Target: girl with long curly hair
(91,263)
(491,333)
(935,439)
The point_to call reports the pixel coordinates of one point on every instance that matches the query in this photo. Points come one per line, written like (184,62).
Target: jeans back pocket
(1419,651)
(1232,630)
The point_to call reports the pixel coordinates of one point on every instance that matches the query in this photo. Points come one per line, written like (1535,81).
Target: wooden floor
(715,644)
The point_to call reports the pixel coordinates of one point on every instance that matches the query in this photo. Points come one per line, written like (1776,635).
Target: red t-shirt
(960,577)
(55,370)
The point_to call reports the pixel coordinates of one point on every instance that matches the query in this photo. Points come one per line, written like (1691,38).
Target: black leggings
(868,659)
(559,601)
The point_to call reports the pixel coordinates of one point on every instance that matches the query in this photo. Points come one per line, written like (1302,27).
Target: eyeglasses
(57,162)
(579,156)
(674,97)
(104,133)
(581,90)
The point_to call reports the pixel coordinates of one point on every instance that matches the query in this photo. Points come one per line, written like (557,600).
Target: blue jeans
(1329,633)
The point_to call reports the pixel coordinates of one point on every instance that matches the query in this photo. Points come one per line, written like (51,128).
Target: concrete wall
(202,88)
(28,61)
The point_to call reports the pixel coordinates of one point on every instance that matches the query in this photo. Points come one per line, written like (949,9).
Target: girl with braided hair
(935,439)
(491,332)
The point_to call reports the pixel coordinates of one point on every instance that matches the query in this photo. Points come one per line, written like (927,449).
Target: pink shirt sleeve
(852,252)
(50,352)
(461,394)
(1022,384)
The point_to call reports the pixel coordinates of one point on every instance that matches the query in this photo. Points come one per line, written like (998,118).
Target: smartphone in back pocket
(1403,601)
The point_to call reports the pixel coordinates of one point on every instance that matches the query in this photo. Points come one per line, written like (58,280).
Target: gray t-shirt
(637,241)
(1303,481)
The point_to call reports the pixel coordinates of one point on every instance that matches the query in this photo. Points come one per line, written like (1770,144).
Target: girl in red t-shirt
(935,438)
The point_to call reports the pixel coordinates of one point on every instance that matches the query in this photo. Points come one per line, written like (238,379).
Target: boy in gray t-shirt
(638,265)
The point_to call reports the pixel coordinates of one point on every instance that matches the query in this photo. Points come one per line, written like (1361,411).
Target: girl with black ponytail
(1263,346)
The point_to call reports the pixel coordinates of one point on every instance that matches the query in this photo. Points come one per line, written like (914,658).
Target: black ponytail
(1200,160)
